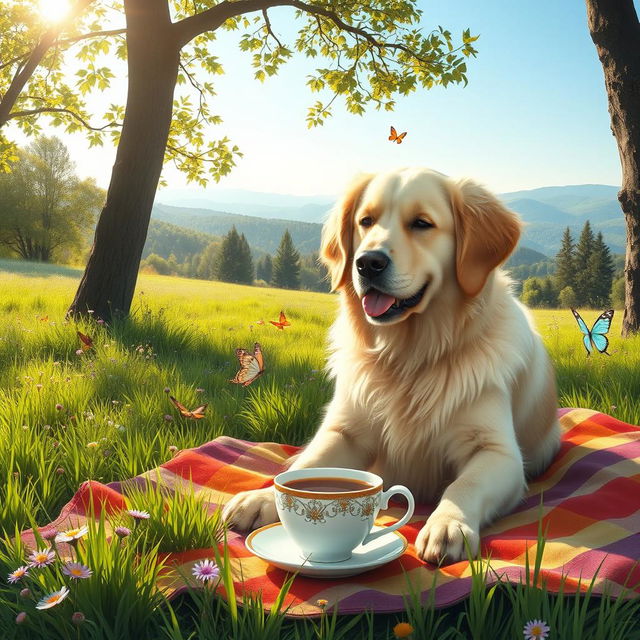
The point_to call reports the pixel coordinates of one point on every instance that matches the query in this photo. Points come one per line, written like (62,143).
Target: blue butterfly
(597,335)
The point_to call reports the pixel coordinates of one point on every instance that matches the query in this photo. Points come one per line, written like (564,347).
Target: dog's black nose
(372,263)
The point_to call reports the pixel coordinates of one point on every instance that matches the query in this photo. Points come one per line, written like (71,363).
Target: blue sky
(534,112)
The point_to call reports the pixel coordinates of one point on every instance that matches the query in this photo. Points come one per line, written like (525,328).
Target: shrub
(567,298)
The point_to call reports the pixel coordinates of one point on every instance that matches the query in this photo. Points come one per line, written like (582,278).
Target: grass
(66,418)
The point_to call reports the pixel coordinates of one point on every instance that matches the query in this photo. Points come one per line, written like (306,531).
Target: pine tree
(601,272)
(225,262)
(565,262)
(244,268)
(286,264)
(584,248)
(234,263)
(264,268)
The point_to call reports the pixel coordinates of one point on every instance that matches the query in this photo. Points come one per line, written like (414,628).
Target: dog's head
(400,238)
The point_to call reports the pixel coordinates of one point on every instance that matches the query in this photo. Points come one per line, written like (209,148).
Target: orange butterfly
(282,323)
(251,366)
(196,414)
(85,341)
(394,137)
(44,319)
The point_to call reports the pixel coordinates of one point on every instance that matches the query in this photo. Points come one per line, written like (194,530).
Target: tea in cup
(329,511)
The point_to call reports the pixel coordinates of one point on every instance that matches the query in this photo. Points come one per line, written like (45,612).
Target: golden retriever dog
(441,382)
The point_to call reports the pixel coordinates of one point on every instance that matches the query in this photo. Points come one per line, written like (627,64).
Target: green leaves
(367,56)
(317,114)
(56,88)
(93,77)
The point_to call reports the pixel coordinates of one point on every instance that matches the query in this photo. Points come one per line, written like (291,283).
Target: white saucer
(273,544)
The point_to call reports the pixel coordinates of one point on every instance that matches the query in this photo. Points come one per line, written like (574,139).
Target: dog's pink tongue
(376,303)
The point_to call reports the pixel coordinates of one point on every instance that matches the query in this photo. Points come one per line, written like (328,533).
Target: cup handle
(384,503)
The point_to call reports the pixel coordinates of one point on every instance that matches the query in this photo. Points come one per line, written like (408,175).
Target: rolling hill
(262,233)
(165,239)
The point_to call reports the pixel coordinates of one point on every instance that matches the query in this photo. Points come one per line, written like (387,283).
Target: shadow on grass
(38,269)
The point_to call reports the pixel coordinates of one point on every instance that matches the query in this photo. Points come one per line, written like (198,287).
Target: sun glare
(54,10)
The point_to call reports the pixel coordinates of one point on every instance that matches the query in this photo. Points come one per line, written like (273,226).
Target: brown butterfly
(394,137)
(282,322)
(85,341)
(196,414)
(251,366)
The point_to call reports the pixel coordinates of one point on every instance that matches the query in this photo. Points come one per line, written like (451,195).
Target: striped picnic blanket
(591,515)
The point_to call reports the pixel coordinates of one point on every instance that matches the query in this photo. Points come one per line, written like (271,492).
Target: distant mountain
(573,206)
(533,211)
(581,191)
(315,213)
(251,203)
(525,256)
(261,233)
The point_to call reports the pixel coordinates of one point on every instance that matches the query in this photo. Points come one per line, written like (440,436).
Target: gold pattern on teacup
(316,511)
(287,501)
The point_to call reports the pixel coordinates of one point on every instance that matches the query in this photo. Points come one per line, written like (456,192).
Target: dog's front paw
(443,537)
(251,509)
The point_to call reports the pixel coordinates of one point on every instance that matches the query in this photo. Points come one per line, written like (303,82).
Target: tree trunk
(615,31)
(109,280)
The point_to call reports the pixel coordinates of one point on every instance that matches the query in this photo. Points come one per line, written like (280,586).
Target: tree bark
(109,280)
(615,31)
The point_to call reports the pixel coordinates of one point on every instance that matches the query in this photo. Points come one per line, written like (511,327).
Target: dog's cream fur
(454,398)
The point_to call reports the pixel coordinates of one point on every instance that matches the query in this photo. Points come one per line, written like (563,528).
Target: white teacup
(329,521)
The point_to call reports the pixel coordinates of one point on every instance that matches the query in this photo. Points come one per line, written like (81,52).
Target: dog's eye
(420,223)
(367,221)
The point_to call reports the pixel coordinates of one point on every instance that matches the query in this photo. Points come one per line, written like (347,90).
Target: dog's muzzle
(383,306)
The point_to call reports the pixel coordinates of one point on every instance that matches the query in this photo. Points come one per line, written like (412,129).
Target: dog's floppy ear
(486,233)
(337,233)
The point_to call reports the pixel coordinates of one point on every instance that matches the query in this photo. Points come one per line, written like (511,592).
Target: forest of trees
(583,276)
(231,260)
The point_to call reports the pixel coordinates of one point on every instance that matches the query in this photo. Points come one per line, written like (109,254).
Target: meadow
(68,416)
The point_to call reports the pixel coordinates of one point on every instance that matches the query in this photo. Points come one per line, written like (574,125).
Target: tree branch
(78,117)
(369,37)
(191,156)
(267,22)
(85,36)
(196,85)
(35,57)
(211,19)
(94,34)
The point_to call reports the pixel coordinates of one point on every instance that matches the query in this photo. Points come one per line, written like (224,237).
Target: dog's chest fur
(408,388)
(409,422)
